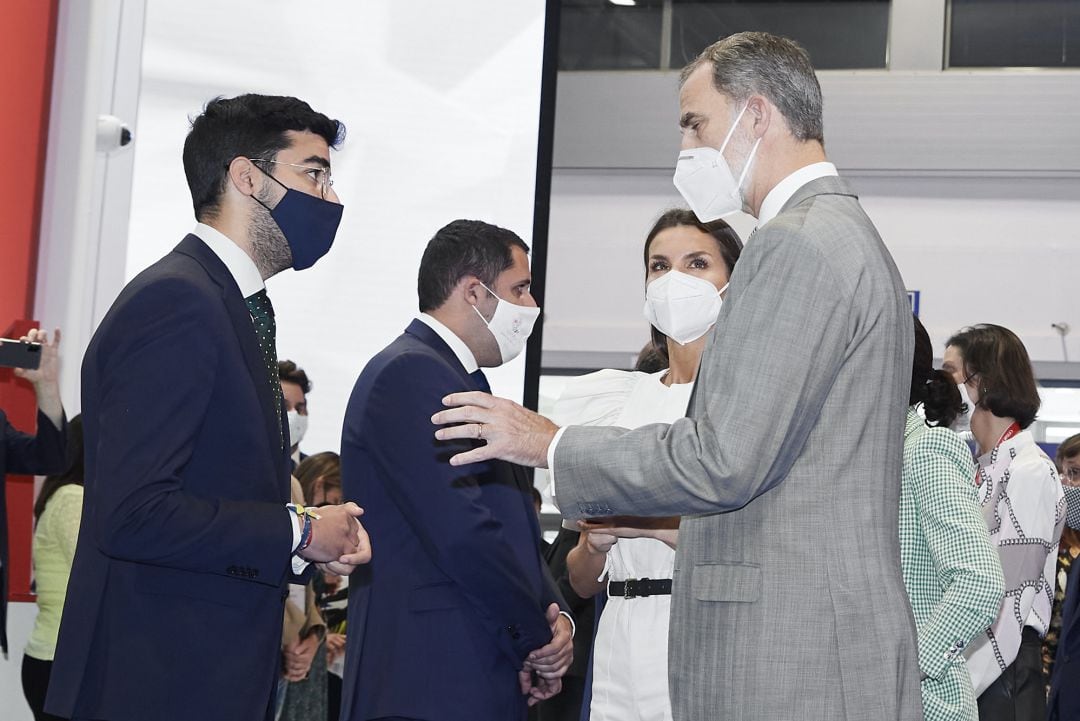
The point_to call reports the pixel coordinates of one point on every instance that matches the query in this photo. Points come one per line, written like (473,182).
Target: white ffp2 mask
(683,307)
(297,427)
(706,182)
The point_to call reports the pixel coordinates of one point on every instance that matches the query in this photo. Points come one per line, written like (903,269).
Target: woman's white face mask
(683,307)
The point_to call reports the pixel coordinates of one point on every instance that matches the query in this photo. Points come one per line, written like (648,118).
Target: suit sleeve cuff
(551,467)
(299,565)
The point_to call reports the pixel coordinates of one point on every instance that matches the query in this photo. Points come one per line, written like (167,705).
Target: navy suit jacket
(454,598)
(45,452)
(176,596)
(1064,701)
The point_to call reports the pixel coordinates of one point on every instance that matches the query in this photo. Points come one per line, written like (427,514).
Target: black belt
(639,588)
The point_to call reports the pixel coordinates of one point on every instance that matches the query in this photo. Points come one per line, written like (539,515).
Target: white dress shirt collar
(468,360)
(241,267)
(782,192)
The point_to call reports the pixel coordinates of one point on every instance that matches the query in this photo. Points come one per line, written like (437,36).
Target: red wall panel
(26,65)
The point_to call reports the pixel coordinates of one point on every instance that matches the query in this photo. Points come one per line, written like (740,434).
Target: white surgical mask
(511,325)
(297,427)
(706,182)
(682,307)
(962,423)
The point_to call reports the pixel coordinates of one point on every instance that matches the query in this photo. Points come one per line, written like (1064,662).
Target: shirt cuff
(551,467)
(299,565)
(573,626)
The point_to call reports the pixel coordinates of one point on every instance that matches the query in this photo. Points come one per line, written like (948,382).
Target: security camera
(112,133)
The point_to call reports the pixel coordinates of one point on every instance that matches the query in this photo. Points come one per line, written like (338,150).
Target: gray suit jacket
(788,600)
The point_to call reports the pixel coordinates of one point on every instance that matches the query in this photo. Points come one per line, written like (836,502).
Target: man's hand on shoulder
(338,541)
(509,431)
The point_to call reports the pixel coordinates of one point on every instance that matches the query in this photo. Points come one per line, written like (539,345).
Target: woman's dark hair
(999,360)
(325,465)
(728,242)
(932,387)
(73,474)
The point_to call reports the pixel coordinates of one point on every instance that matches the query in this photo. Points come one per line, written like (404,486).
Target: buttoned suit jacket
(788,601)
(454,598)
(174,606)
(43,452)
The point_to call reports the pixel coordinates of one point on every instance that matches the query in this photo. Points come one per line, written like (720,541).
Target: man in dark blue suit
(1063,703)
(188,540)
(456,618)
(38,454)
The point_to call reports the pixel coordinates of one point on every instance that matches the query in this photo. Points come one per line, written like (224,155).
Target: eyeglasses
(318,174)
(1072,473)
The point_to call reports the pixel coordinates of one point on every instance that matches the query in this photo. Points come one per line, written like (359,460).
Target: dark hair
(1006,380)
(1068,448)
(727,241)
(932,387)
(291,373)
(1070,537)
(252,126)
(463,248)
(751,63)
(537,499)
(74,473)
(652,358)
(325,466)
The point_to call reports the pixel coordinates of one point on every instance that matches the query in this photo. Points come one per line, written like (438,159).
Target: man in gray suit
(788,602)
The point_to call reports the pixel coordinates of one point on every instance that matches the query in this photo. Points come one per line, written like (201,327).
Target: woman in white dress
(687,265)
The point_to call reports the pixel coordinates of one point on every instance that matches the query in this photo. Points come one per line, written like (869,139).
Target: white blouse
(628,399)
(1024,508)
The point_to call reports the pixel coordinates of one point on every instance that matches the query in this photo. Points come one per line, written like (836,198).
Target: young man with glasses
(188,538)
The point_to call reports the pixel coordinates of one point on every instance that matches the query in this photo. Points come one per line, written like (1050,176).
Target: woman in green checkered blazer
(951,569)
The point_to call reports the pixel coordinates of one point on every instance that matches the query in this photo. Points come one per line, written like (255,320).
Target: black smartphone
(19,354)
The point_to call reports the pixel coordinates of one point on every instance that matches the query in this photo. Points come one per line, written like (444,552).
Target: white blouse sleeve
(596,399)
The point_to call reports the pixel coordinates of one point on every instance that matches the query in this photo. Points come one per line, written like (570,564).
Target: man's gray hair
(751,63)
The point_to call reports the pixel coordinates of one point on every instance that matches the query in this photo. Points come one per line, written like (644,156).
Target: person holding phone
(687,266)
(39,453)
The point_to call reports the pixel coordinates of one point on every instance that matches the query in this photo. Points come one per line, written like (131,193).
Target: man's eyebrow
(688,119)
(318,160)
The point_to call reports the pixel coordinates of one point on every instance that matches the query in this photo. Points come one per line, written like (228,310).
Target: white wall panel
(441,102)
(994,250)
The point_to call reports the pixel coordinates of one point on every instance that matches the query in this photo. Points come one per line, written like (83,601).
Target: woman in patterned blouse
(951,568)
(1024,508)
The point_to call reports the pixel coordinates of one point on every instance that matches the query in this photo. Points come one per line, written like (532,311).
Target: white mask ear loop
(749,161)
(731,130)
(721,291)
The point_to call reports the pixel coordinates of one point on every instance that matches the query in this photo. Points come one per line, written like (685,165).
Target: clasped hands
(339,542)
(541,676)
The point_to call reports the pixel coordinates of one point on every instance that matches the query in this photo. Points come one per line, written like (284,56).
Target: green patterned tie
(262,315)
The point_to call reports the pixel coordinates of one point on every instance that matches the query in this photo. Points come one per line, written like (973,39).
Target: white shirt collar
(241,267)
(782,191)
(468,360)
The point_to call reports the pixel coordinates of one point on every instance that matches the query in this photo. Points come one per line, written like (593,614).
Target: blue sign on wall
(913,298)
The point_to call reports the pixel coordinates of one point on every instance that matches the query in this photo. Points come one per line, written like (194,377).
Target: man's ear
(761,112)
(244,176)
(471,290)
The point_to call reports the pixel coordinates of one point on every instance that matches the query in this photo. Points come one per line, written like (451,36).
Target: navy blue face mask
(308,223)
